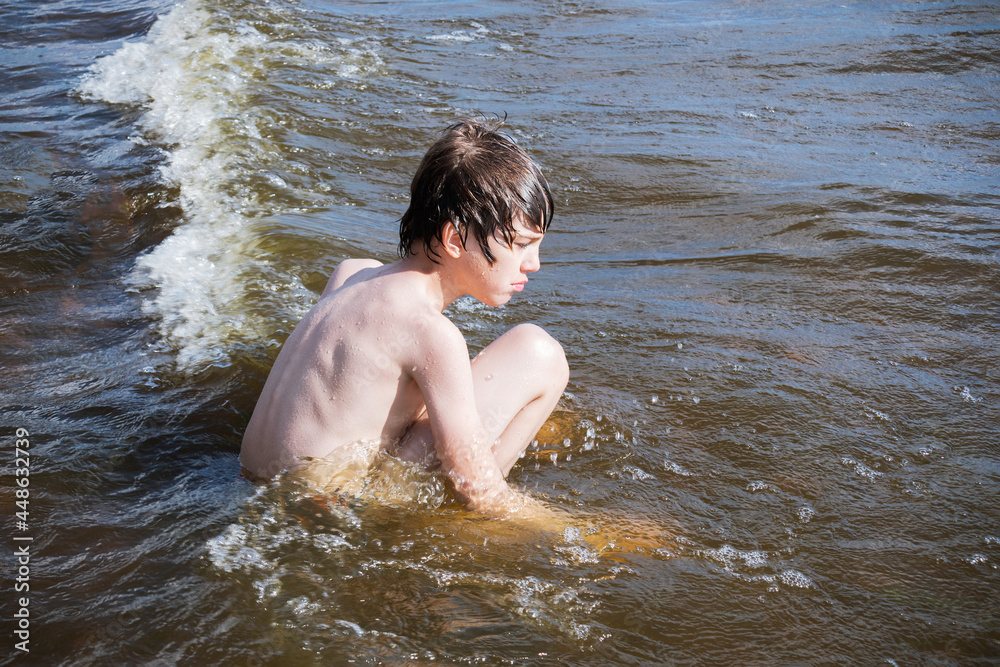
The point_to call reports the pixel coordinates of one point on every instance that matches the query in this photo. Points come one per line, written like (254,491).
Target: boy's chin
(495,301)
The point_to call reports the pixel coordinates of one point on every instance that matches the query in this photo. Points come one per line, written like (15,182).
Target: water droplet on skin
(489,377)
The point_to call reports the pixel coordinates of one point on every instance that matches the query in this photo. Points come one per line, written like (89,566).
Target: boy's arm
(345,270)
(444,374)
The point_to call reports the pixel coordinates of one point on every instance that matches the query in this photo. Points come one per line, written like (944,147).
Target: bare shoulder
(346,269)
(437,339)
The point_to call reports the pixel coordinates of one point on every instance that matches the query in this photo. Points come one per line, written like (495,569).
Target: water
(774,268)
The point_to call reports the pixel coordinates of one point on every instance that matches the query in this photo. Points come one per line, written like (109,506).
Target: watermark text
(22,541)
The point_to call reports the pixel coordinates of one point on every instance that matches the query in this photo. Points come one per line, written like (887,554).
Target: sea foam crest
(196,75)
(191,81)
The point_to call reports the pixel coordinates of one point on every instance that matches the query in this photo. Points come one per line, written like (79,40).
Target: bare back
(345,375)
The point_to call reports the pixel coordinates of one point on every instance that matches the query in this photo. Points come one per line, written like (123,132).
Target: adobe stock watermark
(21,564)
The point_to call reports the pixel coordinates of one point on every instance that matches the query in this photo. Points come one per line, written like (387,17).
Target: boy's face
(495,284)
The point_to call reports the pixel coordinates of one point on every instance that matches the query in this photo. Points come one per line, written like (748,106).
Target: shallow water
(775,269)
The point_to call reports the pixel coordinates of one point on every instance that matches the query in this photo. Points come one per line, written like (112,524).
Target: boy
(376,364)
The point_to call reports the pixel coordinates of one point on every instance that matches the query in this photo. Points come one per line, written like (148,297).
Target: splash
(306,553)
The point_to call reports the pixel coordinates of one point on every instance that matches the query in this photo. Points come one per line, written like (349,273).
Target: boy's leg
(518,380)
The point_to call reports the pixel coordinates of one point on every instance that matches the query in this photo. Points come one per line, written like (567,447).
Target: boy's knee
(543,351)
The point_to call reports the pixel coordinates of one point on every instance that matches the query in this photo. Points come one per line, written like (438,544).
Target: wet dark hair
(478,179)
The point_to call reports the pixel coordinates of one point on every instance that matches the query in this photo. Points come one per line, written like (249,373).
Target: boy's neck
(437,280)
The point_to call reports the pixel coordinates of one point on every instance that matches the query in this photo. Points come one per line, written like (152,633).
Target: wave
(198,77)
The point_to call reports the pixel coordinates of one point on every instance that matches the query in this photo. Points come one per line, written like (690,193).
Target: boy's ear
(451,240)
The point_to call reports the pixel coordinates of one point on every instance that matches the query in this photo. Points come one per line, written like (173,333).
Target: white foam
(728,557)
(462,36)
(191,80)
(638,473)
(676,468)
(230,552)
(758,486)
(967,395)
(195,76)
(453,36)
(861,469)
(796,578)
(873,413)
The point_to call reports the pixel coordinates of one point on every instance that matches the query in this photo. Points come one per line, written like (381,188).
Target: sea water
(773,267)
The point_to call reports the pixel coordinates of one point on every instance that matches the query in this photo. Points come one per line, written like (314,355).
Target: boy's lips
(519,286)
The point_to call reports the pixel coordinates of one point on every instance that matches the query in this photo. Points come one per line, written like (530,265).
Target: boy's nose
(531,262)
